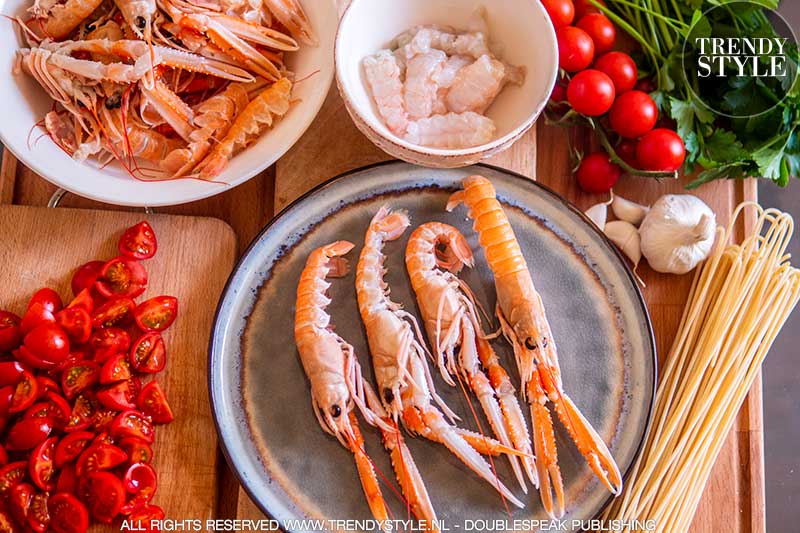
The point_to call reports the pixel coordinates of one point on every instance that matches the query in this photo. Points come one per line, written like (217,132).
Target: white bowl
(24,103)
(519,31)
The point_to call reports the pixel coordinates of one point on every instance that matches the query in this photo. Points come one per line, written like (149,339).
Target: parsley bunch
(765,145)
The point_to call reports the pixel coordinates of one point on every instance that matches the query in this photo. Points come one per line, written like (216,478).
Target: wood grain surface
(42,247)
(734,498)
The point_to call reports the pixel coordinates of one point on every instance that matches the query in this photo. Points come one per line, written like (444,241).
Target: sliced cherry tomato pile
(601,84)
(78,399)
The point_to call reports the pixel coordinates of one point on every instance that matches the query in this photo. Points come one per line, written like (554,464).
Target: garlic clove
(629,211)
(598,214)
(626,237)
(677,233)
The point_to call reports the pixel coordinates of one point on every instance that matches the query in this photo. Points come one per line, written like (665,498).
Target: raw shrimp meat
(421,88)
(476,86)
(383,76)
(453,130)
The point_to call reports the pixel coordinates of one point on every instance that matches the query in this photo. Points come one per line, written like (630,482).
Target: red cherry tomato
(597,174)
(76,322)
(561,12)
(138,450)
(103,493)
(3,456)
(38,514)
(10,334)
(626,150)
(48,298)
(48,342)
(122,278)
(36,315)
(113,313)
(28,433)
(78,377)
(660,149)
(646,85)
(591,93)
(19,502)
(67,480)
(148,354)
(633,114)
(575,49)
(584,7)
(12,475)
(25,393)
(117,368)
(103,418)
(140,478)
(600,29)
(6,397)
(153,402)
(156,314)
(83,300)
(559,93)
(25,356)
(86,276)
(40,464)
(11,372)
(45,385)
(71,447)
(621,68)
(108,342)
(132,423)
(58,409)
(67,514)
(83,411)
(145,515)
(138,242)
(119,396)
(99,457)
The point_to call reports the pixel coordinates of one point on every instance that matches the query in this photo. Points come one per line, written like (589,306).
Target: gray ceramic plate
(260,396)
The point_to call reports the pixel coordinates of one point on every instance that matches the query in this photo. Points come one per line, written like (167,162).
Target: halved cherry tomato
(7,523)
(138,450)
(48,298)
(144,516)
(99,457)
(153,402)
(25,356)
(6,397)
(86,276)
(37,410)
(122,278)
(40,464)
(156,314)
(118,368)
(48,342)
(59,409)
(140,478)
(46,385)
(12,475)
(10,334)
(76,322)
(25,393)
(120,396)
(71,447)
(148,354)
(113,313)
(27,433)
(103,493)
(83,300)
(83,411)
(67,480)
(38,513)
(3,456)
(138,242)
(108,342)
(78,377)
(11,372)
(19,501)
(102,420)
(133,423)
(67,514)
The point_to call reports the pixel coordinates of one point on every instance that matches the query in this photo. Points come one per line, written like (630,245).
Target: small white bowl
(519,31)
(24,103)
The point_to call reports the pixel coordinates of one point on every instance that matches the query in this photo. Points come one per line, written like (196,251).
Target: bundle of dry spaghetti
(740,298)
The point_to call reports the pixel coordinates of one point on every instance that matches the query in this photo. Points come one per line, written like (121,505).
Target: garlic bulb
(629,211)
(677,233)
(627,239)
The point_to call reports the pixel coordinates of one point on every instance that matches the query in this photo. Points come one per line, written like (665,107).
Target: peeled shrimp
(383,76)
(475,86)
(421,88)
(453,130)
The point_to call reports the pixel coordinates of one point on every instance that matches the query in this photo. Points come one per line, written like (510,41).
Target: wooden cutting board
(42,247)
(734,498)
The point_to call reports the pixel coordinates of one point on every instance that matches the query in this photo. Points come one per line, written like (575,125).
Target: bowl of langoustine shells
(445,83)
(160,102)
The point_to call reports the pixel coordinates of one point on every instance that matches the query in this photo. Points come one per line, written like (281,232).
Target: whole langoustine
(435,254)
(337,385)
(524,323)
(403,378)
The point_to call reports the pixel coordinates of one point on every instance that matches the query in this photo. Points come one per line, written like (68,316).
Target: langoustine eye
(336,411)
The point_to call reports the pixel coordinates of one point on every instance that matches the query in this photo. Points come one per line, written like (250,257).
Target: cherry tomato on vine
(597,174)
(122,278)
(633,114)
(561,12)
(156,314)
(138,242)
(10,334)
(591,93)
(575,49)
(621,68)
(584,7)
(660,149)
(600,29)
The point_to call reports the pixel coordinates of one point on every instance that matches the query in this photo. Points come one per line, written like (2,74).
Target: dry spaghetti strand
(740,298)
